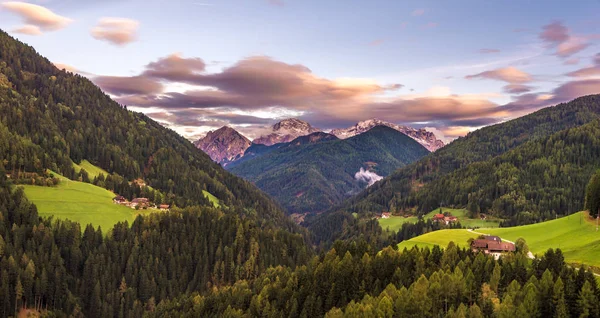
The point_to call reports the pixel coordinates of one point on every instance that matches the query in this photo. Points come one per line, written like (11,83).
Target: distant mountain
(422,136)
(527,169)
(286,131)
(223,145)
(315,172)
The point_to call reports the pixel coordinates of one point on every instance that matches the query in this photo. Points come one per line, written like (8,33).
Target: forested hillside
(71,269)
(51,118)
(309,176)
(545,169)
(351,281)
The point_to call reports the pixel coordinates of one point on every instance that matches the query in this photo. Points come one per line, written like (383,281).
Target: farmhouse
(492,245)
(438,217)
(385,215)
(450,219)
(119,199)
(141,202)
(444,219)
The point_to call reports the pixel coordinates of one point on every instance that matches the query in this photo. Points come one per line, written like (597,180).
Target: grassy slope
(92,170)
(212,198)
(575,235)
(81,202)
(395,223)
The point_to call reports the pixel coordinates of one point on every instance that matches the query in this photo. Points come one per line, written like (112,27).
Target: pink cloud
(37,18)
(558,36)
(117,31)
(507,74)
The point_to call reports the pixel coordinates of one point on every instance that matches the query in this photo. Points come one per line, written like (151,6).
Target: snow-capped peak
(422,136)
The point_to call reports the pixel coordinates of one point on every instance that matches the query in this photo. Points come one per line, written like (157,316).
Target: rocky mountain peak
(223,145)
(286,131)
(422,136)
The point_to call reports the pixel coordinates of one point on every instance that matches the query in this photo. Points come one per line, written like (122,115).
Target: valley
(299,159)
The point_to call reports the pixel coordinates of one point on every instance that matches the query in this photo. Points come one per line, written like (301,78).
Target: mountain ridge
(422,136)
(311,177)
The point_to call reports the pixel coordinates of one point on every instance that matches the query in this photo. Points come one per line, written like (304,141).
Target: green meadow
(85,203)
(575,235)
(394,223)
(214,200)
(92,170)
(80,202)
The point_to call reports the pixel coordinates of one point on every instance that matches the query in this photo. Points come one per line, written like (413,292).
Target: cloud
(176,68)
(66,67)
(418,12)
(517,88)
(507,74)
(37,18)
(591,71)
(366,176)
(488,51)
(571,46)
(585,72)
(117,31)
(124,85)
(558,36)
(29,30)
(431,25)
(555,32)
(572,61)
(253,92)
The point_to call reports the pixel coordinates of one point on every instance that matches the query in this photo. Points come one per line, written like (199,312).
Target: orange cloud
(29,30)
(117,31)
(37,18)
(507,74)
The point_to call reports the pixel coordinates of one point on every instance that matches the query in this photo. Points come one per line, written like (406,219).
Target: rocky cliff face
(223,145)
(286,131)
(422,136)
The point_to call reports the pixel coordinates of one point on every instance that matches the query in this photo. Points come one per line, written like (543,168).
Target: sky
(196,65)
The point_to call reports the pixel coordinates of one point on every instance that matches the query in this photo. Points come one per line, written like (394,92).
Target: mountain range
(526,170)
(226,145)
(315,172)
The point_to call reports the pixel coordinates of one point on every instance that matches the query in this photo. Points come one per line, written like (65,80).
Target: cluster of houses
(492,245)
(444,219)
(139,203)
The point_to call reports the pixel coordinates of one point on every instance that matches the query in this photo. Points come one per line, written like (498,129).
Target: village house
(438,217)
(450,219)
(444,219)
(492,245)
(119,200)
(164,206)
(385,215)
(139,202)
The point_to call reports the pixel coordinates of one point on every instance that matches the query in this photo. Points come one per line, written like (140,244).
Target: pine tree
(592,195)
(586,300)
(560,304)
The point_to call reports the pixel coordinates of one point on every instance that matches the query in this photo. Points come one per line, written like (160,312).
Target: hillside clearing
(92,170)
(80,202)
(394,223)
(575,235)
